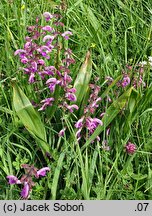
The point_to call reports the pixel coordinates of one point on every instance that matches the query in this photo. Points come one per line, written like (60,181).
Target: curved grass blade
(29,117)
(110,114)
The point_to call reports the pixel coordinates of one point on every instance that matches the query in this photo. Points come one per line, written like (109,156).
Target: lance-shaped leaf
(104,94)
(83,78)
(110,114)
(29,117)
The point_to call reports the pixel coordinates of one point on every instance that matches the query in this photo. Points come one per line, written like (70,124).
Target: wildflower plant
(87,105)
(87,121)
(130,148)
(46,60)
(27,178)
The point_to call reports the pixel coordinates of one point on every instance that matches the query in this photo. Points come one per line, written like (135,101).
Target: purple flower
(66,79)
(79,123)
(66,34)
(97,121)
(130,148)
(46,102)
(92,123)
(108,131)
(58,23)
(27,178)
(125,81)
(13,179)
(33,66)
(42,172)
(28,45)
(31,28)
(31,78)
(78,134)
(108,98)
(61,132)
(19,51)
(72,90)
(102,114)
(71,107)
(109,80)
(48,37)
(50,70)
(47,16)
(44,50)
(24,60)
(52,82)
(25,191)
(94,104)
(70,97)
(47,28)
(41,62)
(68,61)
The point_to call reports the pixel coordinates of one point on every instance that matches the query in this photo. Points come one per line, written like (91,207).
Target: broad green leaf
(133,100)
(83,78)
(29,117)
(110,114)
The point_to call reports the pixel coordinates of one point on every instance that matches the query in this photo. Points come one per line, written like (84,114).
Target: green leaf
(146,111)
(110,114)
(133,100)
(92,168)
(104,94)
(83,78)
(56,175)
(138,176)
(29,117)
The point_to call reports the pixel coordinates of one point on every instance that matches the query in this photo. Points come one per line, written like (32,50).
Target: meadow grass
(118,33)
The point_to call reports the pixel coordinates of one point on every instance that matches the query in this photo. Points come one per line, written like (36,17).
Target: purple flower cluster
(40,57)
(26,179)
(130,148)
(126,80)
(131,76)
(137,78)
(86,121)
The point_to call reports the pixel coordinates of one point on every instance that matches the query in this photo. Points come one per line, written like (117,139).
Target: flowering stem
(110,114)
(57,88)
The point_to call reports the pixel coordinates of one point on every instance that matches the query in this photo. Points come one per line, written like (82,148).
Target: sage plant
(46,60)
(88,121)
